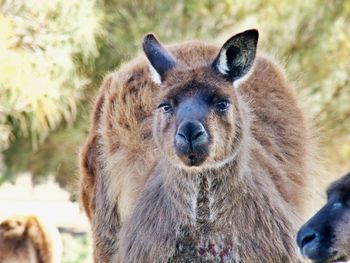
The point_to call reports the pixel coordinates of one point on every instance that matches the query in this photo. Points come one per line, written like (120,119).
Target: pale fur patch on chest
(204,202)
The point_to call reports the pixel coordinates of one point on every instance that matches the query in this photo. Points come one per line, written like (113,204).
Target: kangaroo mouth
(192,156)
(338,258)
(192,159)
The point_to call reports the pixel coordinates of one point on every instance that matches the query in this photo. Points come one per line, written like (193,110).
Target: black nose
(191,133)
(308,241)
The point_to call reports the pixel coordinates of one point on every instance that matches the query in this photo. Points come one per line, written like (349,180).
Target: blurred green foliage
(40,82)
(54,53)
(76,248)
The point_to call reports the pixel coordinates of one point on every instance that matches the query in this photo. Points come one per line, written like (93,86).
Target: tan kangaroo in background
(28,239)
(196,154)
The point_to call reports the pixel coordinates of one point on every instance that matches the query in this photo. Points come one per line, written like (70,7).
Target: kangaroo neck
(205,194)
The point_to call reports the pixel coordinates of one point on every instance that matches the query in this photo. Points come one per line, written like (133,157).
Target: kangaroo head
(197,116)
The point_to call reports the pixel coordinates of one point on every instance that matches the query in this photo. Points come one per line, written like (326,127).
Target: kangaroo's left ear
(237,55)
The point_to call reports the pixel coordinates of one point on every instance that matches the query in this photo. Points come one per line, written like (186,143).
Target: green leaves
(40,83)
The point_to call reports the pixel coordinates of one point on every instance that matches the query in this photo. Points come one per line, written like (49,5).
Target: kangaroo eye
(166,107)
(337,205)
(222,106)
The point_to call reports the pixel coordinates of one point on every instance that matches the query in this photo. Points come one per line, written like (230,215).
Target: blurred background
(54,54)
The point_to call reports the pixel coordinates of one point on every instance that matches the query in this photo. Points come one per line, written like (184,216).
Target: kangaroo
(26,239)
(196,154)
(326,236)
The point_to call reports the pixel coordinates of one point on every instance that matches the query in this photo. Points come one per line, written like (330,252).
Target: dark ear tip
(149,38)
(252,33)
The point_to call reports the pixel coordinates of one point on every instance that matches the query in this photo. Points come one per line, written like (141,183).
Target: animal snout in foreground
(191,142)
(308,241)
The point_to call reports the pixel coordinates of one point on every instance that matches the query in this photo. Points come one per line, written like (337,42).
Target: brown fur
(25,240)
(253,198)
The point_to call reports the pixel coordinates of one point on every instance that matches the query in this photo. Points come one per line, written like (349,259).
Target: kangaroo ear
(160,59)
(237,55)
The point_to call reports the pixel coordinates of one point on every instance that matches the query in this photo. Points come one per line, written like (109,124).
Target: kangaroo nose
(308,242)
(191,132)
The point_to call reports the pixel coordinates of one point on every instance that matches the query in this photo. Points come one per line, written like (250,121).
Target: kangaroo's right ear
(161,60)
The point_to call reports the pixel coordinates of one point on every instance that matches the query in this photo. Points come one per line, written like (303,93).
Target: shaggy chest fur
(203,239)
(196,246)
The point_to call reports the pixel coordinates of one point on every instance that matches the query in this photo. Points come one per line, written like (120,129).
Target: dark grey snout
(315,239)
(191,133)
(191,142)
(308,241)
